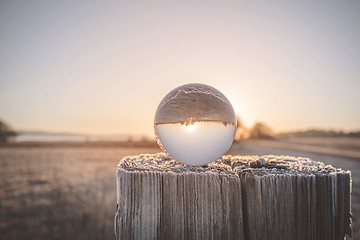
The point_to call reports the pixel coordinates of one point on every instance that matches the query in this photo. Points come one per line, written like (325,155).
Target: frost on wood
(293,198)
(236,197)
(159,198)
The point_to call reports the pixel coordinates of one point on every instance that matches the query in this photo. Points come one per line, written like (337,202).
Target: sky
(101,67)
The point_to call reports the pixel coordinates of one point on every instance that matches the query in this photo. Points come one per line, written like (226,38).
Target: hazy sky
(104,67)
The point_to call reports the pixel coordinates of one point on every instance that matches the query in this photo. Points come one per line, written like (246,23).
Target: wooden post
(236,197)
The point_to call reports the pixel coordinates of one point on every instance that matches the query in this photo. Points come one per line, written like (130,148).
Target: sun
(190,127)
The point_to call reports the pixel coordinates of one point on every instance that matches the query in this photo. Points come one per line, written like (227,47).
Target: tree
(6,132)
(261,130)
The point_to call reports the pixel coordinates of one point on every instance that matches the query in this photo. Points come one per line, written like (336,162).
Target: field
(59,192)
(64,192)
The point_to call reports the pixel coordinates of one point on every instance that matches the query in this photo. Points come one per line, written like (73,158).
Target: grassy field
(63,192)
(59,192)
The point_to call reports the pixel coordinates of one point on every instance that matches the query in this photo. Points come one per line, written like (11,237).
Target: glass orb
(195,124)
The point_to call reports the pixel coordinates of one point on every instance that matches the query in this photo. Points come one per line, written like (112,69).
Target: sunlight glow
(195,144)
(190,127)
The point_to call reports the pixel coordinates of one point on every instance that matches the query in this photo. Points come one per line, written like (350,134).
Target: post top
(160,162)
(230,165)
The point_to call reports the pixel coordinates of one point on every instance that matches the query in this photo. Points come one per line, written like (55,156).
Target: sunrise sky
(102,68)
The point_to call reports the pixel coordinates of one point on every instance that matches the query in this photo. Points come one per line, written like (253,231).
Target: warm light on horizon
(190,127)
(106,73)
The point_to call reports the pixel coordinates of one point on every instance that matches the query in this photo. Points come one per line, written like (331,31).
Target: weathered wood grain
(236,197)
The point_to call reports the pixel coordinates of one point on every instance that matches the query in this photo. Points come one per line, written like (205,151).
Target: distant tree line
(6,133)
(318,133)
(262,131)
(257,131)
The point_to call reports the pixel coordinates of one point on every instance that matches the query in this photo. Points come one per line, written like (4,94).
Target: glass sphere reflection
(195,124)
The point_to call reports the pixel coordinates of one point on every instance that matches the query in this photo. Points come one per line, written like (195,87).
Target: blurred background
(80,83)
